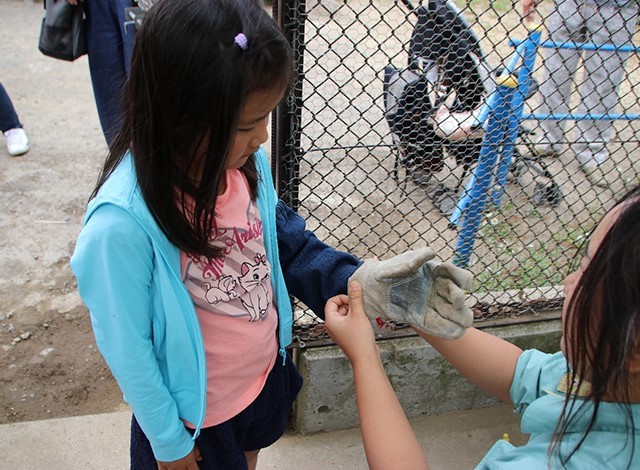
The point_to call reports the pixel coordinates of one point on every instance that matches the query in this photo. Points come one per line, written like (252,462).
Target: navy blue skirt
(258,426)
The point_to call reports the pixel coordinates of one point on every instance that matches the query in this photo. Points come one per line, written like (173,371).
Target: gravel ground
(49,365)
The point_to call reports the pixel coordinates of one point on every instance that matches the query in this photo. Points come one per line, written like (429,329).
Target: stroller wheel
(547,193)
(517,169)
(444,198)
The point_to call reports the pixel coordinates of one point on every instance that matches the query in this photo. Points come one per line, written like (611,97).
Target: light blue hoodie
(142,315)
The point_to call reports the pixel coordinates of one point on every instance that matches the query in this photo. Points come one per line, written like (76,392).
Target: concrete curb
(425,383)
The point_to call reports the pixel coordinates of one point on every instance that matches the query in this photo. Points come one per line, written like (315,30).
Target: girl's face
(252,128)
(573,279)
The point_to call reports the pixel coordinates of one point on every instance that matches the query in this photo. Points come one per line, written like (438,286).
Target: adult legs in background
(109,46)
(604,71)
(17,141)
(8,116)
(252,459)
(565,23)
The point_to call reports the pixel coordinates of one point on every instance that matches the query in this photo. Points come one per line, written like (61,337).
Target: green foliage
(509,261)
(499,6)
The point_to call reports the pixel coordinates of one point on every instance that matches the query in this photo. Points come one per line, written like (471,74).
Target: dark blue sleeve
(313,271)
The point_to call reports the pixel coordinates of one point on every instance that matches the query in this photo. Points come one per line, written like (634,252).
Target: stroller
(431,104)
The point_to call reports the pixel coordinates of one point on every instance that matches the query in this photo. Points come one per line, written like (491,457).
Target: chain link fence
(379,144)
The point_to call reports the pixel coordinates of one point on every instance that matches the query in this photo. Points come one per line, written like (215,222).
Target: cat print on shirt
(252,280)
(222,290)
(238,283)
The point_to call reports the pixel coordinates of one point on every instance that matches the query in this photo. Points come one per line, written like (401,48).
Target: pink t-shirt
(234,302)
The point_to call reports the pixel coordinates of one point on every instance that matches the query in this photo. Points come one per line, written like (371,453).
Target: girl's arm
(389,440)
(486,360)
(313,270)
(113,263)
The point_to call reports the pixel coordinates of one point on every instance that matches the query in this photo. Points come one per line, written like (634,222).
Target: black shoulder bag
(63,30)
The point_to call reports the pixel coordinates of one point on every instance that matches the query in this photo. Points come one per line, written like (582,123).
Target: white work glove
(412,288)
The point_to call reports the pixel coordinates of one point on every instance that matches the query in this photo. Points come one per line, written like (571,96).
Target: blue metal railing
(475,194)
(501,115)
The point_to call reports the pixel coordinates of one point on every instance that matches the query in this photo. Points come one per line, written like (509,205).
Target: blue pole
(517,106)
(488,108)
(581,46)
(463,202)
(483,172)
(518,55)
(490,103)
(581,117)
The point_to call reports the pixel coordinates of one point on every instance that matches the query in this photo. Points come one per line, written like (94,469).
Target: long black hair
(603,318)
(188,83)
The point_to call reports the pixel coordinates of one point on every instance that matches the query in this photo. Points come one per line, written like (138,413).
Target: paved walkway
(455,440)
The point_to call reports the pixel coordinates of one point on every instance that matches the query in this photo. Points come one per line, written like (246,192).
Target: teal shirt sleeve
(536,374)
(113,263)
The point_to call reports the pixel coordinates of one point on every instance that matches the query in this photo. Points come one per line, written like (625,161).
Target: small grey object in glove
(413,288)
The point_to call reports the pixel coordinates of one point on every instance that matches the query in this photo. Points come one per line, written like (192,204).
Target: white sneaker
(17,141)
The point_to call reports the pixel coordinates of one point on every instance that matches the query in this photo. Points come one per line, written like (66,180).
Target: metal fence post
(287,118)
(527,62)
(483,173)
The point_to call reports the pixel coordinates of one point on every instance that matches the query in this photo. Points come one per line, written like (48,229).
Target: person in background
(590,21)
(581,405)
(110,38)
(17,140)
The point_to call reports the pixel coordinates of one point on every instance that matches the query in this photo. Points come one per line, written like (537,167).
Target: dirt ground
(49,365)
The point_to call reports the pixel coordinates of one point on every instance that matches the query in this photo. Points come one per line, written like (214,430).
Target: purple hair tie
(241,41)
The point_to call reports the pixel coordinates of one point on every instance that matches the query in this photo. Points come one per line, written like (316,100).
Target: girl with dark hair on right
(581,405)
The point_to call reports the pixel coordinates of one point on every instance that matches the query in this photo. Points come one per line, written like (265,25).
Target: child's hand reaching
(349,326)
(389,441)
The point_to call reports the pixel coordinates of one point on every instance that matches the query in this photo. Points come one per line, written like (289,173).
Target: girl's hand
(188,462)
(348,325)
